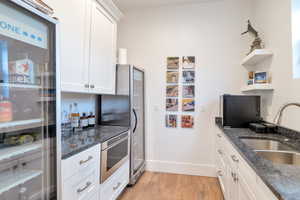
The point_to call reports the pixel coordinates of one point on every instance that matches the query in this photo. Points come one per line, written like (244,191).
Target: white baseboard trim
(181,168)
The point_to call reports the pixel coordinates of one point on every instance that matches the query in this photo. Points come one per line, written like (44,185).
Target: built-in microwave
(114,153)
(237,111)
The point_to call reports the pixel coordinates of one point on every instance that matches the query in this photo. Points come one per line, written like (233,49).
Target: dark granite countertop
(283,180)
(76,142)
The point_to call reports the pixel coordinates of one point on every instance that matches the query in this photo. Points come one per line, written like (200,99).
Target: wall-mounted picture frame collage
(180,92)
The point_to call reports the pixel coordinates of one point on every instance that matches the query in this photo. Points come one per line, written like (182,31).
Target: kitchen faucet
(278,117)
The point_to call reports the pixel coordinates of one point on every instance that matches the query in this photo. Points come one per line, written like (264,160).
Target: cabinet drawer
(111,188)
(95,197)
(219,140)
(86,160)
(248,174)
(82,186)
(231,154)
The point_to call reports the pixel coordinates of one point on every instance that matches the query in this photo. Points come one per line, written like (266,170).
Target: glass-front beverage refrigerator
(27,103)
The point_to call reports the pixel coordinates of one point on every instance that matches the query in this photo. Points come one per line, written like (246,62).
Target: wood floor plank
(163,186)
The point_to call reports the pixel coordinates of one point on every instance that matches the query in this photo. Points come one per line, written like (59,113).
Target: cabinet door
(231,183)
(244,192)
(103,52)
(222,175)
(73,43)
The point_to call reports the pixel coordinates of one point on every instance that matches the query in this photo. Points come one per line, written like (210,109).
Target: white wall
(211,32)
(273,20)
(296,37)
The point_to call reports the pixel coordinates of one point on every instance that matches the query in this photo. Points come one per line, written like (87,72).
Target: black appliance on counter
(238,111)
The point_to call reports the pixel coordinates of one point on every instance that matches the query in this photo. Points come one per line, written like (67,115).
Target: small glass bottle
(84,123)
(75,118)
(5,109)
(91,120)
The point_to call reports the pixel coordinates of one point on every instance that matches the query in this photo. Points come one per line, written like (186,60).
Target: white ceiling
(126,5)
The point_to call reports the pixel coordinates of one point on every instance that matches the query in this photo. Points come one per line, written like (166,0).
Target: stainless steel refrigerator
(130,81)
(27,103)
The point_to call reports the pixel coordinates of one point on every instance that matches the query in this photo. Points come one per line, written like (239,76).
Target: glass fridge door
(27,105)
(138,136)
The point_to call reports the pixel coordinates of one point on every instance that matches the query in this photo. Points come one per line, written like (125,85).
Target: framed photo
(173,63)
(172,91)
(171,121)
(188,91)
(187,121)
(188,62)
(261,77)
(172,77)
(188,77)
(251,75)
(172,104)
(188,105)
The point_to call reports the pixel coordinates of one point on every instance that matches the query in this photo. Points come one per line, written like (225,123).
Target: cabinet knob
(117,186)
(86,85)
(220,173)
(234,158)
(92,86)
(220,152)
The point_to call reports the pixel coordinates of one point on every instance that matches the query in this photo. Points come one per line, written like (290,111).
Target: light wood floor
(162,186)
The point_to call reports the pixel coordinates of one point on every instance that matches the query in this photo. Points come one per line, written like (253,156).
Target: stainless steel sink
(265,144)
(288,158)
(273,150)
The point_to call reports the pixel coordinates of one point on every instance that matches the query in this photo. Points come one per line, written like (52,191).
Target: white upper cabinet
(73,43)
(88,34)
(102,51)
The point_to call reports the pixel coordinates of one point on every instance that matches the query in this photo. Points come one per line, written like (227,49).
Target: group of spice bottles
(76,121)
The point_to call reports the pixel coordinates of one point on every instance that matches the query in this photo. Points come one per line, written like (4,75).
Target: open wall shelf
(258,87)
(256,57)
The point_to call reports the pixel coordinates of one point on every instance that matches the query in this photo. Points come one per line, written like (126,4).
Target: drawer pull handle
(85,161)
(234,158)
(92,86)
(87,185)
(117,186)
(234,177)
(219,135)
(220,173)
(86,85)
(220,152)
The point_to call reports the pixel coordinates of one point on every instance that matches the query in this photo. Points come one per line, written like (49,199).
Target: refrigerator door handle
(136,120)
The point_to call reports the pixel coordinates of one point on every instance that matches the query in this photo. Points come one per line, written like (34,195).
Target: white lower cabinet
(244,192)
(237,179)
(81,175)
(82,186)
(95,197)
(114,185)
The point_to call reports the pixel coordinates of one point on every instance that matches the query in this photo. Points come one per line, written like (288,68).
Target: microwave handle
(116,143)
(220,106)
(136,120)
